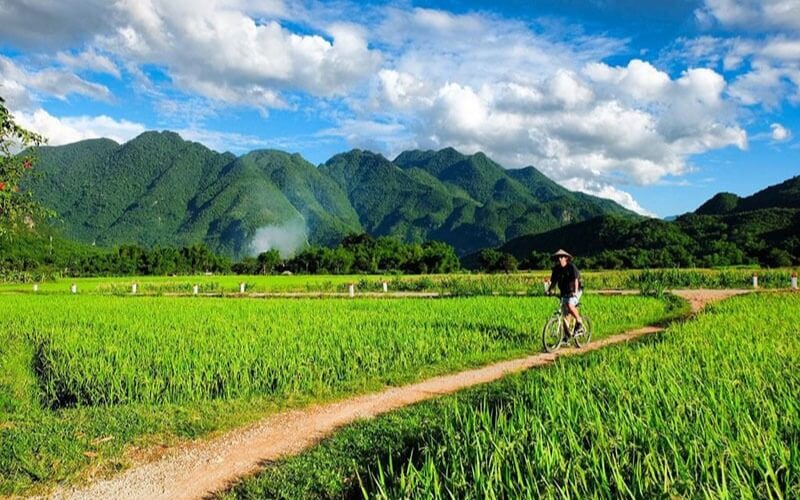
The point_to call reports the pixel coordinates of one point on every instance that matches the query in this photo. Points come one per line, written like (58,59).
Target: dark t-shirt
(565,278)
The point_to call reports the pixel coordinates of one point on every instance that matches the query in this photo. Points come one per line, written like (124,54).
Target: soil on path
(198,469)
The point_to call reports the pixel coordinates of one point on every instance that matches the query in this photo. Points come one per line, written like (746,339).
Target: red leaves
(27,164)
(2,186)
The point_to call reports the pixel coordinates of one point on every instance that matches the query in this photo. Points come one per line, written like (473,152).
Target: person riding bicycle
(568,278)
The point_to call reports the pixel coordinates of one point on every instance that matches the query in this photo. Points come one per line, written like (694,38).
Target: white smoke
(285,238)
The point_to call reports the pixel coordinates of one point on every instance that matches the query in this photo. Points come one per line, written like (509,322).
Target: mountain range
(159,189)
(725,230)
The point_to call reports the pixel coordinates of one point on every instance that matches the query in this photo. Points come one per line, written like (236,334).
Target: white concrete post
(794,280)
(241,287)
(351,289)
(195,289)
(74,288)
(134,288)
(36,287)
(755,280)
(385,287)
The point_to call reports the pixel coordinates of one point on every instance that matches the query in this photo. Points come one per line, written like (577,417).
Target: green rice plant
(708,409)
(676,418)
(107,350)
(75,370)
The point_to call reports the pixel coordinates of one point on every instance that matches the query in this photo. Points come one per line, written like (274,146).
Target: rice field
(85,376)
(709,409)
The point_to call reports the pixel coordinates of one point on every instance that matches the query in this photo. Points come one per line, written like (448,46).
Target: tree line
(356,254)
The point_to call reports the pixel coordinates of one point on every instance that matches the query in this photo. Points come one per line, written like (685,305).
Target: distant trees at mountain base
(357,254)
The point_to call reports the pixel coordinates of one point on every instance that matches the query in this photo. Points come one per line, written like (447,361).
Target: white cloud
(68,129)
(779,132)
(218,50)
(60,83)
(770,56)
(752,14)
(232,51)
(89,59)
(476,48)
(607,191)
(639,80)
(610,125)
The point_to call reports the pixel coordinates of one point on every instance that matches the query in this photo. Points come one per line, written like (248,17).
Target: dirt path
(198,469)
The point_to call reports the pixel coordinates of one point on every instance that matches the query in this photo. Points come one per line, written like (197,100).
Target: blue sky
(655,104)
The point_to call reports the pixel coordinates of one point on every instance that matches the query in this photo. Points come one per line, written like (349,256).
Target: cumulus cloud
(767,57)
(217,49)
(607,191)
(231,51)
(779,132)
(65,130)
(751,14)
(605,124)
(23,84)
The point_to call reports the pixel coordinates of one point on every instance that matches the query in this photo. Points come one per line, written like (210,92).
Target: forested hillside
(158,189)
(726,230)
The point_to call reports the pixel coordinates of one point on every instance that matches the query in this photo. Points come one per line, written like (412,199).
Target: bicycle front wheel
(552,334)
(583,338)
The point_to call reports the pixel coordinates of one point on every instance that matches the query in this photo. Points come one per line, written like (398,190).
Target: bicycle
(557,331)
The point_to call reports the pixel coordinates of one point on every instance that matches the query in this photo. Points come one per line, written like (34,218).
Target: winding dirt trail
(198,469)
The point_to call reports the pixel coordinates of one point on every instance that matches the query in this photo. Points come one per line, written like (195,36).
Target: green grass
(76,370)
(708,409)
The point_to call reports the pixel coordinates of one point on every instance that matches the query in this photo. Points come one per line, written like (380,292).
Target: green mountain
(720,203)
(158,189)
(726,230)
(507,203)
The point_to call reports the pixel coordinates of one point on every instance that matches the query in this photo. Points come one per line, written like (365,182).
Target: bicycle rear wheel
(583,338)
(552,334)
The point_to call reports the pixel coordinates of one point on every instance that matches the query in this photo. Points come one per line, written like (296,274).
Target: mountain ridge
(727,229)
(158,189)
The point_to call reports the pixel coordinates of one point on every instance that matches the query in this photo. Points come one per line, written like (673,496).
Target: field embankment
(528,283)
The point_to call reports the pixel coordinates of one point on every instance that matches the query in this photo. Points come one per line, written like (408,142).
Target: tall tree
(17,207)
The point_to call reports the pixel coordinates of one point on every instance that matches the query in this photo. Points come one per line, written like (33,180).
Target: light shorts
(575,300)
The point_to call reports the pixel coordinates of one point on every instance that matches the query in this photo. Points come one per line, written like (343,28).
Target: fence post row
(794,280)
(195,290)
(241,287)
(134,288)
(74,288)
(351,289)
(755,280)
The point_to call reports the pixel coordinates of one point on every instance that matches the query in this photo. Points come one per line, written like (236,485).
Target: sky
(655,104)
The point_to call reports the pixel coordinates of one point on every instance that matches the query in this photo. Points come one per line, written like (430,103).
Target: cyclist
(568,278)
